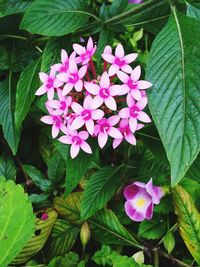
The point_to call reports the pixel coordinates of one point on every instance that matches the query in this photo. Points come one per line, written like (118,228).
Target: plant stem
(14,37)
(178,262)
(156,257)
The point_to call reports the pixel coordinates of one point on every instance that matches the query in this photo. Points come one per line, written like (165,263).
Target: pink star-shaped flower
(73,78)
(64,65)
(50,82)
(104,128)
(105,92)
(85,54)
(57,122)
(77,142)
(86,115)
(132,83)
(119,61)
(134,112)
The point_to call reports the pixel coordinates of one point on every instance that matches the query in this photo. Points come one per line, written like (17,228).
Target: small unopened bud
(169,242)
(139,257)
(85,233)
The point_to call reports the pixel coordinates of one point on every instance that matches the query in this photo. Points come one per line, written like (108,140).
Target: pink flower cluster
(82,104)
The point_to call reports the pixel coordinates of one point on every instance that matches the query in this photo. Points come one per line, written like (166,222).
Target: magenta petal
(133,214)
(149,212)
(130,191)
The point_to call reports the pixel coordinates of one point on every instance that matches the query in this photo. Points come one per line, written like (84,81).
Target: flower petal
(113,69)
(116,142)
(124,113)
(87,102)
(78,86)
(50,93)
(119,51)
(63,77)
(85,147)
(114,132)
(142,116)
(123,76)
(97,114)
(90,126)
(130,57)
(113,120)
(67,88)
(47,119)
(65,139)
(64,56)
(105,80)
(142,103)
(79,49)
(77,108)
(133,124)
(135,75)
(92,88)
(82,72)
(130,138)
(130,191)
(72,66)
(90,44)
(136,94)
(74,150)
(111,103)
(55,131)
(83,135)
(144,84)
(97,102)
(42,90)
(77,123)
(134,215)
(102,139)
(118,90)
(130,100)
(126,68)
(43,77)
(109,58)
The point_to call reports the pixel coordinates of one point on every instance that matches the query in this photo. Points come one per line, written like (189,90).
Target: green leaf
(101,186)
(7,167)
(38,178)
(107,229)
(42,232)
(153,229)
(56,167)
(62,238)
(26,87)
(8,7)
(188,221)
(173,69)
(194,3)
(71,259)
(193,12)
(56,18)
(69,207)
(17,221)
(46,146)
(169,242)
(10,132)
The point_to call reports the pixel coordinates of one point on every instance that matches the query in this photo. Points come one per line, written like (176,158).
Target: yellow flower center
(140,202)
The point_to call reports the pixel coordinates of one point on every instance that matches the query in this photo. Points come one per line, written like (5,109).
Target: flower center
(64,67)
(76,140)
(63,105)
(104,127)
(49,83)
(124,131)
(134,111)
(73,78)
(104,92)
(86,114)
(140,202)
(57,121)
(120,62)
(132,85)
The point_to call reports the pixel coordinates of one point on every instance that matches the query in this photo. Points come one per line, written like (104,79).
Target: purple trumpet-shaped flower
(135,1)
(77,142)
(141,199)
(119,60)
(50,82)
(132,83)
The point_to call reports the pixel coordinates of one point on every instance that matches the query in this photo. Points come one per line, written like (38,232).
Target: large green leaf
(188,220)
(62,238)
(193,11)
(16,223)
(7,167)
(56,17)
(8,7)
(26,88)
(10,132)
(174,69)
(42,232)
(56,167)
(101,186)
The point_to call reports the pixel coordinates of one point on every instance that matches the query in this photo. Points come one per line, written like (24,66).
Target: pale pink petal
(107,50)
(77,108)
(139,126)
(113,69)
(119,51)
(79,49)
(77,123)
(64,56)
(113,120)
(97,102)
(118,90)
(114,132)
(55,131)
(130,138)
(64,129)
(63,77)
(85,147)
(111,103)
(130,58)
(97,114)
(105,80)
(87,102)
(92,88)
(73,66)
(136,94)
(74,150)
(142,116)
(52,73)
(53,103)
(123,76)
(78,86)
(42,90)
(82,72)
(57,83)
(102,139)
(116,142)
(133,124)
(47,119)
(144,84)
(90,44)
(135,75)
(133,214)
(108,58)
(83,135)
(142,103)
(65,139)
(126,68)
(130,100)
(43,77)
(124,113)
(90,126)
(50,93)
(67,88)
